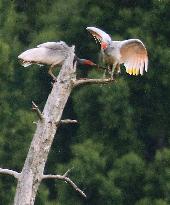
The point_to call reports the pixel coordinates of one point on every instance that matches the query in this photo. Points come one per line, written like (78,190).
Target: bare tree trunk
(32,172)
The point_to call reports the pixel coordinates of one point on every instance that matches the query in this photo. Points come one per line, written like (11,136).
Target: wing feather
(137,66)
(134,56)
(99,34)
(146,64)
(54,45)
(141,66)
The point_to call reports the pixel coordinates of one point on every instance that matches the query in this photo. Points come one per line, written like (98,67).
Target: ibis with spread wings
(132,53)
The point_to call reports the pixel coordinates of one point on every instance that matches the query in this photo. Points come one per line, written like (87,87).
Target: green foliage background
(120,149)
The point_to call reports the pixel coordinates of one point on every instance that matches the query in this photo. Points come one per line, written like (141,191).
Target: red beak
(88,62)
(104,45)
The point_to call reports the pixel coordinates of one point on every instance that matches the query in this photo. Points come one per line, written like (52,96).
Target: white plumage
(132,53)
(49,53)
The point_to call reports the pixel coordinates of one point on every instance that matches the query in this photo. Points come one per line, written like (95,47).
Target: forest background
(119,151)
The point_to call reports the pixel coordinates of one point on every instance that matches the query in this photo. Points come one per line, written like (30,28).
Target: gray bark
(32,172)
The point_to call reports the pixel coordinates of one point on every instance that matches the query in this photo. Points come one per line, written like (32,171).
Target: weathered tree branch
(93,81)
(66,173)
(37,110)
(66,179)
(68,121)
(10,172)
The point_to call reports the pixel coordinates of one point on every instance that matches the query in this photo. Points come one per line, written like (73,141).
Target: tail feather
(28,63)
(25,63)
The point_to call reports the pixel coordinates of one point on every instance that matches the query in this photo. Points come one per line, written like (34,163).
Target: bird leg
(115,70)
(110,70)
(50,72)
(107,70)
(104,74)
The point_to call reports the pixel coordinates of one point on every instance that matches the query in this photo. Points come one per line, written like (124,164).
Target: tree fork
(49,120)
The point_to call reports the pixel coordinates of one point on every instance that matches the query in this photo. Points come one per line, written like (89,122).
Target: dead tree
(32,173)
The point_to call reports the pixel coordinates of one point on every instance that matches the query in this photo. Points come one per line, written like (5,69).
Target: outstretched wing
(54,45)
(134,56)
(98,34)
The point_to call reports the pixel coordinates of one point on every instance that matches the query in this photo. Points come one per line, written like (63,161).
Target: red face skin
(104,45)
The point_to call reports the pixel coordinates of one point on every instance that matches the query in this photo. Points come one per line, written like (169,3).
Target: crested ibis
(132,53)
(49,53)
